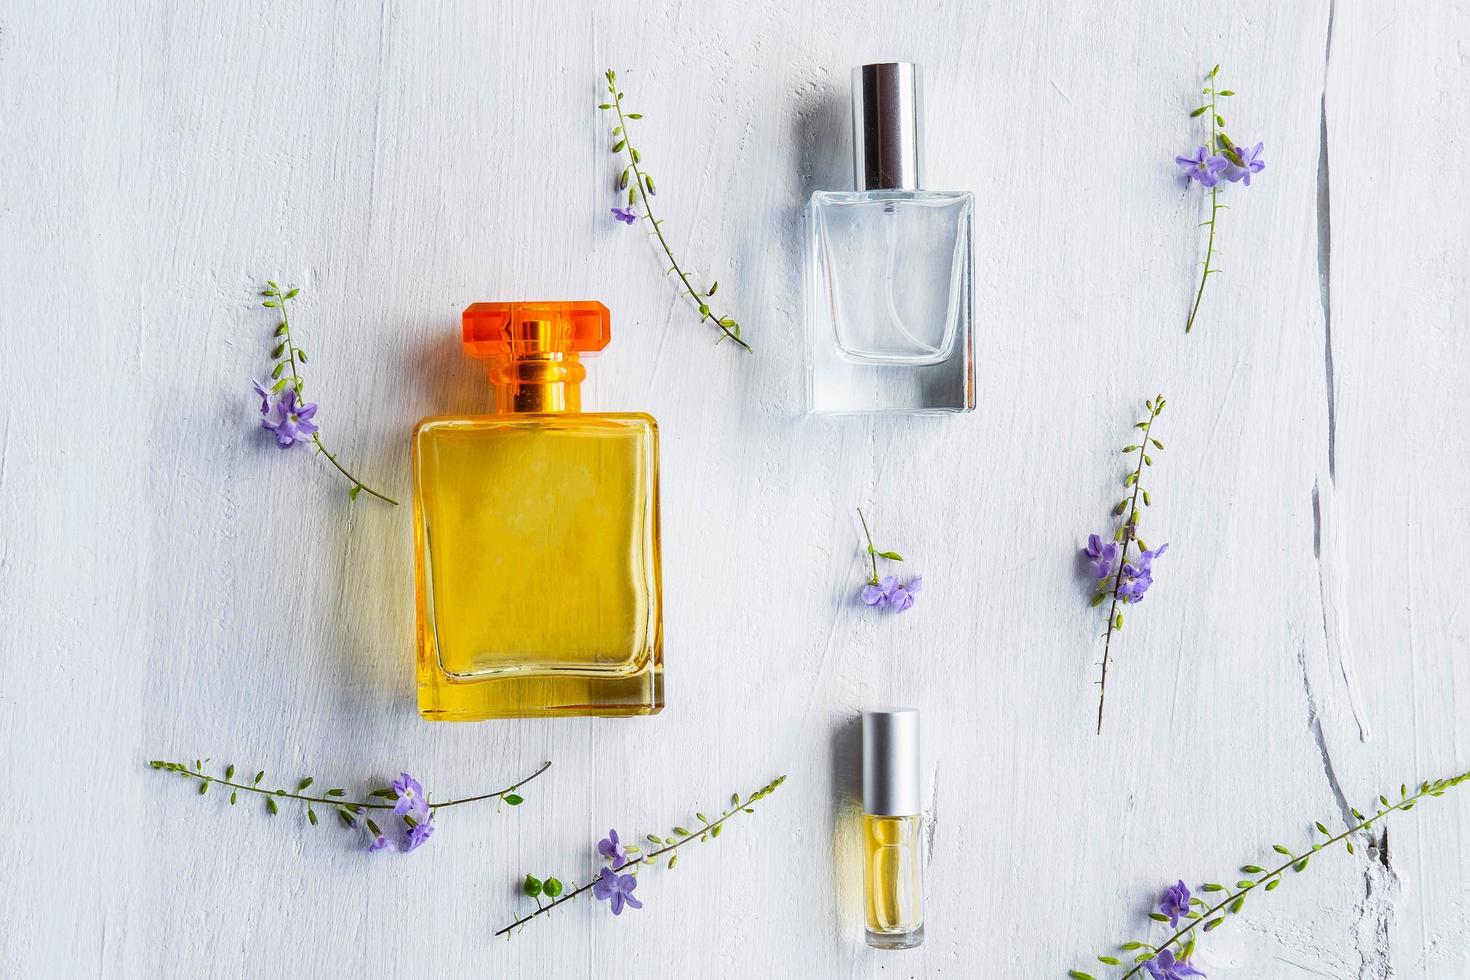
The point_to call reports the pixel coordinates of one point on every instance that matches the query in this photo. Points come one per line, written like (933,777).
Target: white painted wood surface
(173,586)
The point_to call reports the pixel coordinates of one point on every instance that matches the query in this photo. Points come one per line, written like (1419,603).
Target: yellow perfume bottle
(536,534)
(893,853)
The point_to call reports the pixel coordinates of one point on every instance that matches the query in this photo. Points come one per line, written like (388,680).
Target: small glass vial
(889,275)
(536,534)
(893,853)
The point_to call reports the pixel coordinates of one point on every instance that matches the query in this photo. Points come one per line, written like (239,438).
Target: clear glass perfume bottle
(537,534)
(889,269)
(893,853)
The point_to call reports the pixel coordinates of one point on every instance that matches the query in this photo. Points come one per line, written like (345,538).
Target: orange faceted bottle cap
(511,330)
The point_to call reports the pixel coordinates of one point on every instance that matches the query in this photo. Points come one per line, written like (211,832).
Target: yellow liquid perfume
(537,534)
(893,853)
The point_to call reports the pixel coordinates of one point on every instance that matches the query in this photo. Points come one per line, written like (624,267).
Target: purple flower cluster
(626,215)
(1235,165)
(411,803)
(611,887)
(888,592)
(1137,575)
(1166,966)
(291,420)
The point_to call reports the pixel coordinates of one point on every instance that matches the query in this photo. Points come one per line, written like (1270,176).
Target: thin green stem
(316,437)
(1426,789)
(281,794)
(1214,213)
(1130,528)
(642,858)
(872,552)
(700,299)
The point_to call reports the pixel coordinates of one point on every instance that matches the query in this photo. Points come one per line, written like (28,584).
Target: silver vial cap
(887,105)
(891,762)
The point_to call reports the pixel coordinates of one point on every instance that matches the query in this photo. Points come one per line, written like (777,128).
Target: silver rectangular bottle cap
(887,106)
(891,762)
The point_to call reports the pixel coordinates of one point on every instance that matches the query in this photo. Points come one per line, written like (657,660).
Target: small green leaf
(311,816)
(276,388)
(1079,975)
(204,787)
(673,860)
(270,805)
(258,777)
(1323,827)
(304,784)
(715,830)
(890,555)
(1281,849)
(1252,869)
(1212,924)
(233,794)
(1109,960)
(1158,917)
(276,371)
(681,831)
(282,330)
(230,771)
(1237,905)
(513,799)
(1199,112)
(336,792)
(1271,885)
(354,491)
(635,115)
(618,146)
(272,303)
(1211,886)
(301,355)
(292,294)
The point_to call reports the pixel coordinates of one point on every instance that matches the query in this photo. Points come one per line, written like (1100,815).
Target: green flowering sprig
(640,187)
(293,416)
(405,798)
(1207,915)
(619,876)
(1219,159)
(1121,581)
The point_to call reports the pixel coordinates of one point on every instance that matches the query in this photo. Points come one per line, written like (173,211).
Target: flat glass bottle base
(896,940)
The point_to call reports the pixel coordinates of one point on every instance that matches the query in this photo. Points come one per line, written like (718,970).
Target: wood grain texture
(176,587)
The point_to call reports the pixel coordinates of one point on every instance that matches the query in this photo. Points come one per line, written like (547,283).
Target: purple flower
(1165,967)
(1250,163)
(292,423)
(889,592)
(1137,577)
(616,889)
(1176,903)
(626,215)
(418,833)
(1203,167)
(411,799)
(879,593)
(378,841)
(1101,555)
(903,596)
(265,396)
(610,848)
